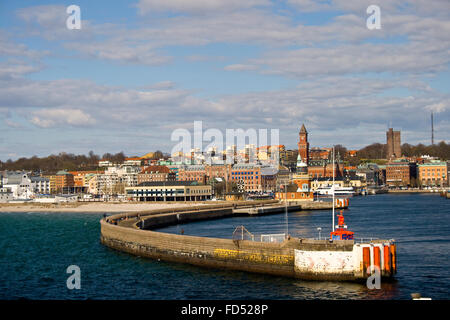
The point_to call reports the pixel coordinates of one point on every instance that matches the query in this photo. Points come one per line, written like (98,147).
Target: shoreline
(123,207)
(414,191)
(93,207)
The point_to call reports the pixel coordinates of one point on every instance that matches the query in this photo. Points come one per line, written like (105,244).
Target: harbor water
(37,248)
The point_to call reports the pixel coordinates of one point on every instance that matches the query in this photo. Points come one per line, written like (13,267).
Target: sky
(138,70)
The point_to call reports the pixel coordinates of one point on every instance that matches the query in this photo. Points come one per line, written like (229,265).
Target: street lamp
(319,229)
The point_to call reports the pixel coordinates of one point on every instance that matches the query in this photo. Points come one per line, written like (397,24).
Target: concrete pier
(280,208)
(294,257)
(266,210)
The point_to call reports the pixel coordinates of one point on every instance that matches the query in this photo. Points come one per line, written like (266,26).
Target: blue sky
(138,70)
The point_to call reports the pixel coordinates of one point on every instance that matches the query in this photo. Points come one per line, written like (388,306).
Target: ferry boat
(338,191)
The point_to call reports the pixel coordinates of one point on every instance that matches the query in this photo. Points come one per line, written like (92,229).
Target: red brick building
(192,173)
(156,173)
(256,178)
(400,173)
(324,168)
(319,153)
(218,171)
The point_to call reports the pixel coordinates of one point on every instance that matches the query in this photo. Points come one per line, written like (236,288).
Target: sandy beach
(93,207)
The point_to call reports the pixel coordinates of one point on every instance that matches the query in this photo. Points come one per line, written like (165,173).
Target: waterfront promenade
(93,207)
(416,191)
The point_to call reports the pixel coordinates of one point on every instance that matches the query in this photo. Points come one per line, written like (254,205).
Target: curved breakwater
(294,257)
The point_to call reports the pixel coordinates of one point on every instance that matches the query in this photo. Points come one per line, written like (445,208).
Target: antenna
(432,129)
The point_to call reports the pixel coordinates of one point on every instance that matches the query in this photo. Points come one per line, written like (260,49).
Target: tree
(219,188)
(341,151)
(93,158)
(373,151)
(107,156)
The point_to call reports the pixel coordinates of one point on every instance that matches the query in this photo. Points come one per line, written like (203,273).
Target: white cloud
(119,51)
(12,124)
(420,7)
(46,118)
(10,48)
(337,96)
(15,69)
(439,107)
(162,85)
(50,16)
(350,59)
(337,109)
(240,67)
(255,26)
(197,6)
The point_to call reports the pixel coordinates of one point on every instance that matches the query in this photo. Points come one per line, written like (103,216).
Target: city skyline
(138,70)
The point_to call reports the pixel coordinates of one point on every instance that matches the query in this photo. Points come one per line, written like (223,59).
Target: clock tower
(303,144)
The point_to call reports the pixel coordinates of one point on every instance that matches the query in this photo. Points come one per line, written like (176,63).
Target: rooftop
(303,129)
(62,172)
(433,163)
(168,183)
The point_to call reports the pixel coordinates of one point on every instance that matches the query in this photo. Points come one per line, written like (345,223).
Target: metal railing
(240,233)
(276,237)
(365,240)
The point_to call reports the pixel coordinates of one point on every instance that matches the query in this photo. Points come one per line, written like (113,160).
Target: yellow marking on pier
(253,256)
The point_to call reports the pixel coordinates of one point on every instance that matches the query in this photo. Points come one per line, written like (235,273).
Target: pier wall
(330,259)
(270,258)
(325,262)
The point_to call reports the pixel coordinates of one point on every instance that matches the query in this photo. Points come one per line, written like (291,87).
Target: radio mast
(432,129)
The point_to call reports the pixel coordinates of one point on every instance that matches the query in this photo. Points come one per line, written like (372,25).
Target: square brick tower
(394,149)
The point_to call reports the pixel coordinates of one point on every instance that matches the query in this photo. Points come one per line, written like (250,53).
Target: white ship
(338,191)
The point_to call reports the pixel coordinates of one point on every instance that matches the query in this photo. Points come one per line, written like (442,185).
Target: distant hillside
(378,151)
(61,161)
(71,161)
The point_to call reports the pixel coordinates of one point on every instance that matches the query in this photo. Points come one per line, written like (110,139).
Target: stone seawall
(294,257)
(270,258)
(260,257)
(132,233)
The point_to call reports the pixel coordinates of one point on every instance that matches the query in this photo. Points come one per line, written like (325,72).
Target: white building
(5,195)
(19,183)
(132,162)
(40,185)
(114,179)
(24,186)
(105,163)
